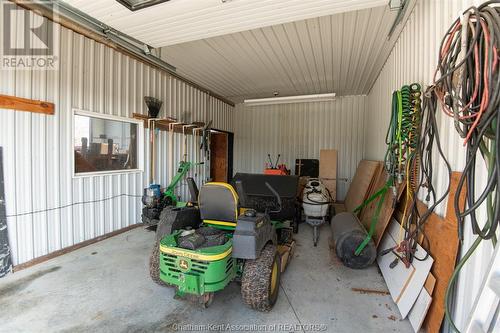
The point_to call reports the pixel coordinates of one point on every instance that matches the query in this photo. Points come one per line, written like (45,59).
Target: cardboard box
(104,149)
(331,185)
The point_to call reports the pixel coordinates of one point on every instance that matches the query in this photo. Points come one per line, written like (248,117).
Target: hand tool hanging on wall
(197,131)
(152,195)
(171,144)
(154,106)
(467,86)
(185,137)
(205,147)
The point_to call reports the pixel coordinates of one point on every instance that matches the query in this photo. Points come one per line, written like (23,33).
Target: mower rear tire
(154,265)
(260,282)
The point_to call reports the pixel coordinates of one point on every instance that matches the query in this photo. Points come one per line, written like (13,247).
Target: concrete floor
(105,287)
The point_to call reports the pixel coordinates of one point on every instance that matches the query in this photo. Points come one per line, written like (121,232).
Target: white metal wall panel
(301,130)
(222,115)
(414,59)
(38,150)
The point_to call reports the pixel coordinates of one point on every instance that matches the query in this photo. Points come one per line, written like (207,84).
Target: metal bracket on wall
(401,13)
(5,257)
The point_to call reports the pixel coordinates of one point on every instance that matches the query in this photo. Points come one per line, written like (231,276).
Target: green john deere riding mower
(201,250)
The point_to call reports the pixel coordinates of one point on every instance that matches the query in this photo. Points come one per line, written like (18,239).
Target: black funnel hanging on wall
(154,106)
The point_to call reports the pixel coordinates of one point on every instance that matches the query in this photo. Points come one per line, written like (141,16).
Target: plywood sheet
(328,163)
(328,170)
(403,283)
(445,252)
(361,184)
(387,208)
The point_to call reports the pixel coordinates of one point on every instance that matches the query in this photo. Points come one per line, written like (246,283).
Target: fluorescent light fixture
(290,99)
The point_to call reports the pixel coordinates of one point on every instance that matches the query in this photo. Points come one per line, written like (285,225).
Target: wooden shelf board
(27,105)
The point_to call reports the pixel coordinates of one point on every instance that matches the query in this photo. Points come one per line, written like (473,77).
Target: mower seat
(219,204)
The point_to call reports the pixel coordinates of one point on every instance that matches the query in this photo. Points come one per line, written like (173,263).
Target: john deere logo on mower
(183,264)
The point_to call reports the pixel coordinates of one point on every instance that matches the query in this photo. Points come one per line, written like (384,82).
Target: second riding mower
(227,241)
(155,201)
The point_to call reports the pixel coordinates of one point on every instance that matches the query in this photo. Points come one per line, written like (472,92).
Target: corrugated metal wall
(300,131)
(414,59)
(38,151)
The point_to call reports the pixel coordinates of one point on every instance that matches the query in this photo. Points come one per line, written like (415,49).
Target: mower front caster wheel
(260,282)
(154,265)
(206,300)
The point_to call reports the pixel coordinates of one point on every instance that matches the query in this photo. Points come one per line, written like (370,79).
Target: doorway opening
(221,156)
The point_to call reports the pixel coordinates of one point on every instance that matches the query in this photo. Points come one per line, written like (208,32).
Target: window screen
(102,144)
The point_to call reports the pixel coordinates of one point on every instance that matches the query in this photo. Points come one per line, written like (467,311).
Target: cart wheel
(315,236)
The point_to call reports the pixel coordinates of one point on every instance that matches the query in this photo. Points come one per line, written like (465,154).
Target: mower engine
(316,203)
(154,201)
(151,196)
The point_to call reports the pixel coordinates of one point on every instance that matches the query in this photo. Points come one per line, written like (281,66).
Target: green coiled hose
(402,139)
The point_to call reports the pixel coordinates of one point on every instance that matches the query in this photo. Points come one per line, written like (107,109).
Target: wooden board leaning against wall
(444,252)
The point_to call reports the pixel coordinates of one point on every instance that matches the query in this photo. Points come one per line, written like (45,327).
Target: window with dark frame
(102,144)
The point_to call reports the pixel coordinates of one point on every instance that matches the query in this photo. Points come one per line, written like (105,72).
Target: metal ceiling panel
(341,53)
(179,21)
